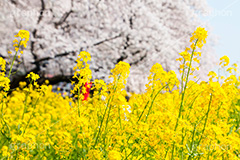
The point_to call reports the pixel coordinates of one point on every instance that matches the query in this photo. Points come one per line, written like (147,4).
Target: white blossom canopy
(140,32)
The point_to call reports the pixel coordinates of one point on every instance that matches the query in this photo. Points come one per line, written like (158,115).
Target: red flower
(88,87)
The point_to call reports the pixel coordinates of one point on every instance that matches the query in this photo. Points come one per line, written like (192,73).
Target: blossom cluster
(173,119)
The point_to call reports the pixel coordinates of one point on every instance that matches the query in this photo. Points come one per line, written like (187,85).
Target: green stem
(99,130)
(78,103)
(192,143)
(14,58)
(25,102)
(173,149)
(8,137)
(166,153)
(183,137)
(143,112)
(31,115)
(130,153)
(12,64)
(110,107)
(120,120)
(2,107)
(183,94)
(146,104)
(154,100)
(191,106)
(205,123)
(182,76)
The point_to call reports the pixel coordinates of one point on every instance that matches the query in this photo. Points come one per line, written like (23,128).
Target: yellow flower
(47,81)
(24,35)
(15,41)
(82,73)
(33,76)
(114,155)
(94,155)
(120,72)
(5,151)
(15,45)
(196,60)
(235,65)
(22,84)
(23,43)
(85,56)
(200,35)
(2,64)
(230,69)
(179,59)
(110,127)
(224,60)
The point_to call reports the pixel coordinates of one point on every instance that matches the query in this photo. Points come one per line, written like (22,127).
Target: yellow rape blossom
(94,155)
(33,76)
(200,35)
(175,118)
(5,151)
(224,61)
(24,35)
(114,155)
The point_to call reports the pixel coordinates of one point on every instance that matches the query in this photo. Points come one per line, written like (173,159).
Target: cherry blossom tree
(140,32)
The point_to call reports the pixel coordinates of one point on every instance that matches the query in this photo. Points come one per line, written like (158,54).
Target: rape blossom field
(173,119)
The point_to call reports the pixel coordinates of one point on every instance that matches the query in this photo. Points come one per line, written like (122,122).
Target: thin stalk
(14,58)
(108,115)
(183,136)
(205,123)
(182,76)
(2,107)
(31,116)
(25,102)
(130,153)
(166,153)
(146,105)
(192,140)
(154,100)
(120,121)
(8,130)
(99,130)
(188,115)
(183,94)
(143,111)
(78,103)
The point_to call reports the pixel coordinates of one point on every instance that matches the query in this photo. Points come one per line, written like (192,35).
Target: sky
(225,22)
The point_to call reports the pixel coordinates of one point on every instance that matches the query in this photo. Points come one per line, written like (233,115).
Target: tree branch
(41,11)
(109,39)
(63,18)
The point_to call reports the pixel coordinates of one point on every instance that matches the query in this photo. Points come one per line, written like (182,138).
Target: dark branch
(41,11)
(2,56)
(141,59)
(134,53)
(109,39)
(48,58)
(13,2)
(124,56)
(63,18)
